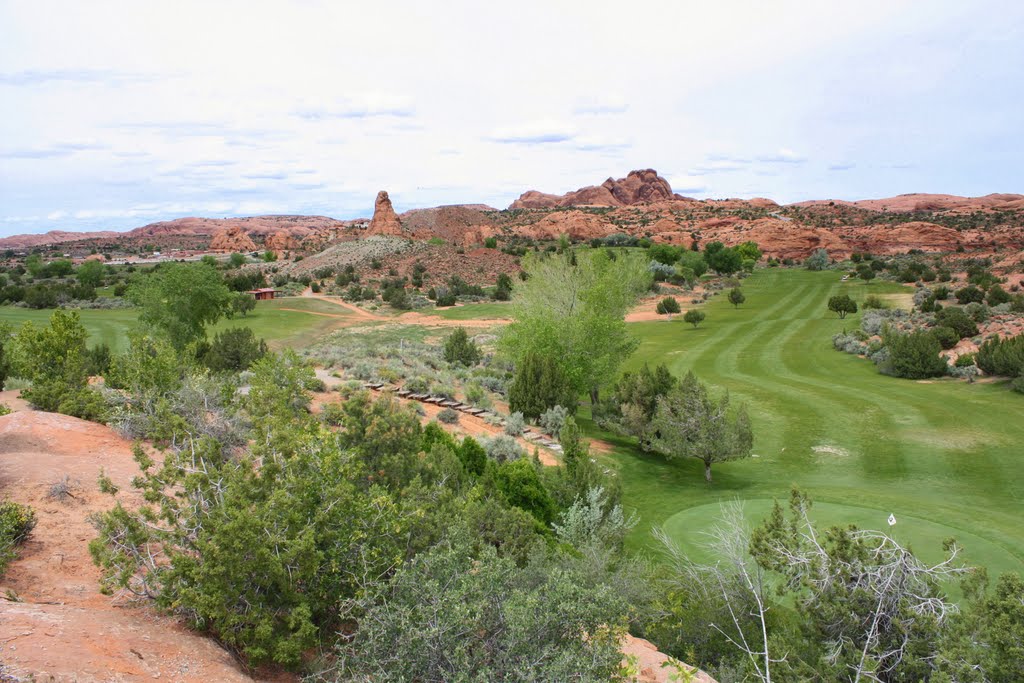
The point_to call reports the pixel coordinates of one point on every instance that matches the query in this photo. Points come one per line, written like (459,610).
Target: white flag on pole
(892,519)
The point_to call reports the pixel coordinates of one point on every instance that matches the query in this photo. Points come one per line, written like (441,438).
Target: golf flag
(892,519)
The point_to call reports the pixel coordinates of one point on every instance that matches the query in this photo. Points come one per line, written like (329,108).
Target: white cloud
(783,155)
(601,104)
(535,133)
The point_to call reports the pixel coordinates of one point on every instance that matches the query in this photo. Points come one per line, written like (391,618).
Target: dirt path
(59,626)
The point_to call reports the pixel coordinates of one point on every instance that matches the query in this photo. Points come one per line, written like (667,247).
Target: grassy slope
(475,311)
(271,320)
(943,456)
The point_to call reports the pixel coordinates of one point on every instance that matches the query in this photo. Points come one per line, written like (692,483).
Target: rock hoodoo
(233,238)
(385,220)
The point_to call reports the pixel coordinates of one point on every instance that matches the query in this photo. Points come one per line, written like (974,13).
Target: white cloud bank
(229,108)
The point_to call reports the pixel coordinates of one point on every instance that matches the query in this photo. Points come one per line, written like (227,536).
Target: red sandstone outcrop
(385,220)
(776,237)
(233,238)
(578,225)
(900,238)
(282,240)
(638,187)
(455,223)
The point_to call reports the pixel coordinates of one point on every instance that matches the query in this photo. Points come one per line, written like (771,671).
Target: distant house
(263,293)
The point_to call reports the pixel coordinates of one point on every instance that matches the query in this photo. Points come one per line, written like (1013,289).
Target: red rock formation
(898,239)
(454,223)
(385,220)
(639,187)
(578,225)
(778,238)
(233,238)
(282,240)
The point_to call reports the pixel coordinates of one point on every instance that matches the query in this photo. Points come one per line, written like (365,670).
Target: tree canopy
(576,314)
(180,300)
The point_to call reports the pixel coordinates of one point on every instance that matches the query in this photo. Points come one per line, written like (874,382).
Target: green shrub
(997,295)
(1005,357)
(16,523)
(448,416)
(515,425)
(668,305)
(957,319)
(946,336)
(965,360)
(817,261)
(539,383)
(694,317)
(460,349)
(502,448)
(970,294)
(233,350)
(914,355)
(521,485)
(873,301)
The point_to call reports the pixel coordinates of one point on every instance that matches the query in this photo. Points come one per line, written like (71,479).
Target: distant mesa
(638,187)
(385,220)
(906,203)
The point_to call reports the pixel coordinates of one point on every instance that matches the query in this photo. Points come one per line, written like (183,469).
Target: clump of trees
(679,419)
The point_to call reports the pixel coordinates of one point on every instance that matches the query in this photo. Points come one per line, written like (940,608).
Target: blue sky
(118,114)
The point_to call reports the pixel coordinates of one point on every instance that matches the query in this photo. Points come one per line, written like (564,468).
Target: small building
(263,294)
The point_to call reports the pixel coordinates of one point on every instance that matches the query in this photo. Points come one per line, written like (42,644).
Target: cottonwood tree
(575,313)
(689,423)
(180,300)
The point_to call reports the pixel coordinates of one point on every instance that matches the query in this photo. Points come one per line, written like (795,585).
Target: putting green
(943,452)
(689,529)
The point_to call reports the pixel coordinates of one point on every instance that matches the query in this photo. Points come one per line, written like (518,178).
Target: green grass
(104,326)
(943,456)
(475,312)
(289,322)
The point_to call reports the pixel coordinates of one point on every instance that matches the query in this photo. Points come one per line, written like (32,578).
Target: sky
(118,114)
